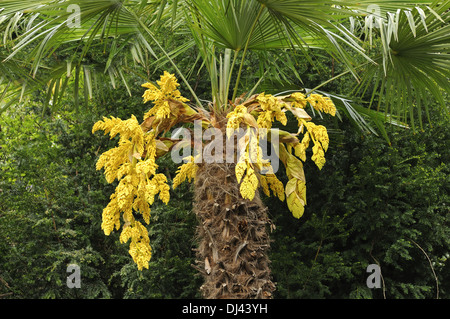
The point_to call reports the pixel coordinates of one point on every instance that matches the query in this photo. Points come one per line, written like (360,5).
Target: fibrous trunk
(233,237)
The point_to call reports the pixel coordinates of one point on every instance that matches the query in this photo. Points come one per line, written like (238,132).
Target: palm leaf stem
(245,51)
(147,30)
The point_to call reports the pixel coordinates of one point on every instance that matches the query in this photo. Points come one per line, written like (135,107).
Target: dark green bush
(371,204)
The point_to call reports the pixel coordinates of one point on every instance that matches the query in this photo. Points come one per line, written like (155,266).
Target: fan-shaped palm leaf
(416,37)
(414,65)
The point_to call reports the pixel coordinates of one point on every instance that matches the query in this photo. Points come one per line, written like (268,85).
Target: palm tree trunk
(233,237)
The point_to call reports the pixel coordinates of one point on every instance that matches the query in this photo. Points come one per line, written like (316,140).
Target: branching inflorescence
(133,161)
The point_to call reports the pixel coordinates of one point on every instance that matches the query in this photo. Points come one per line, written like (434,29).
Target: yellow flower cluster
(133,164)
(138,183)
(319,135)
(131,141)
(185,171)
(140,249)
(296,196)
(296,186)
(318,156)
(249,182)
(235,118)
(251,159)
(161,96)
(271,109)
(249,167)
(266,109)
(300,100)
(300,148)
(277,187)
(295,189)
(317,101)
(322,103)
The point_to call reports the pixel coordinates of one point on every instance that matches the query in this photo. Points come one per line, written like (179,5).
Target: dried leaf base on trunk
(233,238)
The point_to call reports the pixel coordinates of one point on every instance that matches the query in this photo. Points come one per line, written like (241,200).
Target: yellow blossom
(160,186)
(185,171)
(111,216)
(299,100)
(318,156)
(275,185)
(235,118)
(161,96)
(131,143)
(321,135)
(322,103)
(300,148)
(249,184)
(147,166)
(140,249)
(240,169)
(271,109)
(264,185)
(113,159)
(321,141)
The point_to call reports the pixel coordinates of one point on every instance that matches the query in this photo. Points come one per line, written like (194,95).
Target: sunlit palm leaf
(99,20)
(45,26)
(267,25)
(416,67)
(129,26)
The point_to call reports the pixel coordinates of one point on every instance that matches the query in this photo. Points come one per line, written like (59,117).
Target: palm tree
(412,65)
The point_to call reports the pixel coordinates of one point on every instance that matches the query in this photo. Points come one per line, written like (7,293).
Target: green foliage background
(371,203)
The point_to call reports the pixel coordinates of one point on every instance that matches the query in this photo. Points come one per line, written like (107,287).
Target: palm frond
(413,67)
(36,29)
(414,37)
